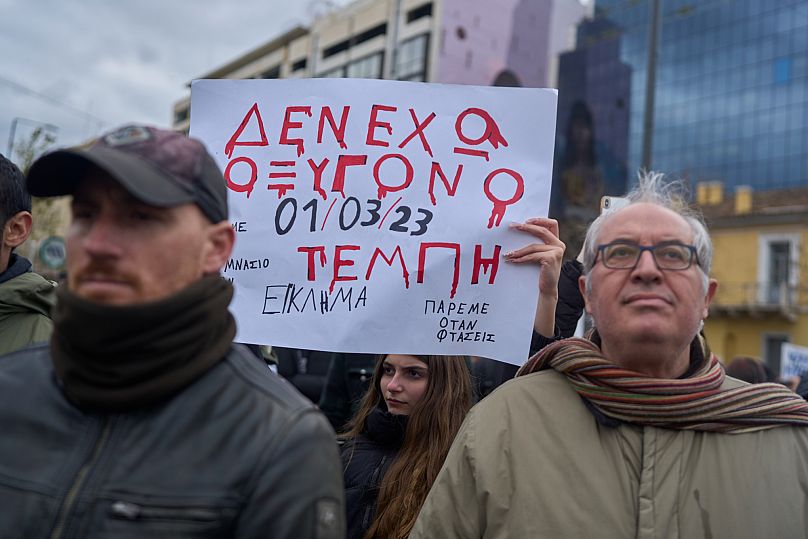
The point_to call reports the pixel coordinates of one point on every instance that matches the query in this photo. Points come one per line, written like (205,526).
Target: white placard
(793,360)
(372,216)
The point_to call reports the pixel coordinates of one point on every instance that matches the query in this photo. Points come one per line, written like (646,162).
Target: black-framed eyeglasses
(626,255)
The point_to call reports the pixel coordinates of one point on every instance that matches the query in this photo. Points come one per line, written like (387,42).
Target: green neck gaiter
(114,358)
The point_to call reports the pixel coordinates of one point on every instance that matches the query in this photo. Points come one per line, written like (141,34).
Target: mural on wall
(503,43)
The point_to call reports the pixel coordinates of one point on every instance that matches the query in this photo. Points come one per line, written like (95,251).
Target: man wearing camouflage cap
(141,417)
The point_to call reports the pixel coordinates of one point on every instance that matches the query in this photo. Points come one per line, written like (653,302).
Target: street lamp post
(49,127)
(650,86)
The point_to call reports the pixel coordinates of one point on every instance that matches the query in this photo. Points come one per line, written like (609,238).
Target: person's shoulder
(31,281)
(29,290)
(529,384)
(364,444)
(526,415)
(350,446)
(26,371)
(32,358)
(266,386)
(531,394)
(268,405)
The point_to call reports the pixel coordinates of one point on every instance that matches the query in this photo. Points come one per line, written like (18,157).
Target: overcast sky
(85,66)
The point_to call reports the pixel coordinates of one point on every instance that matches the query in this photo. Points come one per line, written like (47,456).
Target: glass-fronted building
(731,91)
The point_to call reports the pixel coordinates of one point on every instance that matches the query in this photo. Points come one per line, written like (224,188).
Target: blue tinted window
(793,172)
(732,87)
(796,144)
(782,70)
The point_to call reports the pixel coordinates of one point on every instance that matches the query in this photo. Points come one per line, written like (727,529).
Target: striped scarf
(696,402)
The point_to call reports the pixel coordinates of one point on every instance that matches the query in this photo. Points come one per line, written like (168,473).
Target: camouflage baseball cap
(157,166)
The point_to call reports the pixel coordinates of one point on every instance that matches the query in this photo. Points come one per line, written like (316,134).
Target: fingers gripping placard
(371,216)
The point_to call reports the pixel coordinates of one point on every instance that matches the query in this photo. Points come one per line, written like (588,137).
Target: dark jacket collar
(17,265)
(385,428)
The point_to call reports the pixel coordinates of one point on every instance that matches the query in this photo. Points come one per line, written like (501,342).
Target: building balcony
(760,299)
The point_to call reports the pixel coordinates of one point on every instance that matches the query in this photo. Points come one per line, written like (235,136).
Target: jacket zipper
(135,511)
(78,482)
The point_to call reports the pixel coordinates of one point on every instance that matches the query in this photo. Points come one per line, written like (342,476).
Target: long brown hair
(431,428)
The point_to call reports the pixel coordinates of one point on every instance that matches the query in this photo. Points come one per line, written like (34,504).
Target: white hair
(653,189)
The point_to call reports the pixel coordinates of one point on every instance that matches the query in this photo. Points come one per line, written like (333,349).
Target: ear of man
(218,246)
(582,289)
(712,286)
(17,229)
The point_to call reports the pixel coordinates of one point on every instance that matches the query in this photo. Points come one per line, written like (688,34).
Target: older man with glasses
(635,431)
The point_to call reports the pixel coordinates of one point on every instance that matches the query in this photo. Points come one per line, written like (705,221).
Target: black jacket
(238,453)
(365,460)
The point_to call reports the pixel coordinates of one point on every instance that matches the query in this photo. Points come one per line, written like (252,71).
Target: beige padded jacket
(531,461)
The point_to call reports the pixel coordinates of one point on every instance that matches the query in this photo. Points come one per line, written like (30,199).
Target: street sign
(52,252)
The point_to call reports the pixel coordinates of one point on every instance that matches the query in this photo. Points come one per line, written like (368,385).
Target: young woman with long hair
(396,443)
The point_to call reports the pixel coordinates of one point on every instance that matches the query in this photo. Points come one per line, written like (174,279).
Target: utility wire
(24,89)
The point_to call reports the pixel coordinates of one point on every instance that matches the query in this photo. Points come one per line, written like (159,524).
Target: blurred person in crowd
(748,369)
(304,369)
(582,182)
(347,380)
(585,169)
(26,298)
(142,418)
(802,387)
(636,430)
(753,370)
